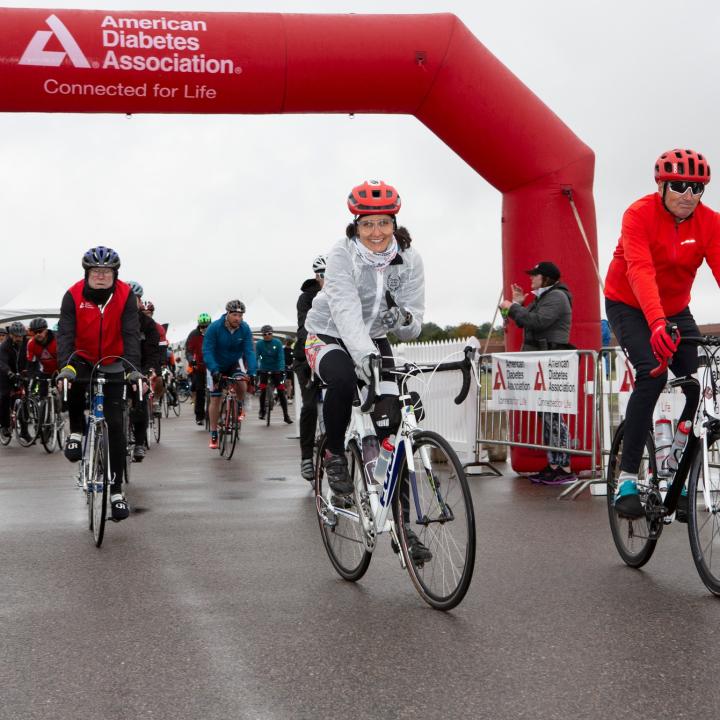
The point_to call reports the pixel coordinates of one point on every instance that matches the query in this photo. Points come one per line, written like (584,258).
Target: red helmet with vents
(680,164)
(374,197)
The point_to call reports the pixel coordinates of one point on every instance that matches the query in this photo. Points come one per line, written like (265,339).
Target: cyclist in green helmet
(198,371)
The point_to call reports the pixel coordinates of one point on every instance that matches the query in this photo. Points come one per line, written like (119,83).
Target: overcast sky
(200,208)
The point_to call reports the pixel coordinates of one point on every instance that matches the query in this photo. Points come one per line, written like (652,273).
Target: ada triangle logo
(36,54)
(540,378)
(499,383)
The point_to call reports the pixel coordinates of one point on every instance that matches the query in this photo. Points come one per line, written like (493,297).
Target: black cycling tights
(337,371)
(113,416)
(633,334)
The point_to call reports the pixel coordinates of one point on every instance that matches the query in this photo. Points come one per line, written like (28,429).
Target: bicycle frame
(707,419)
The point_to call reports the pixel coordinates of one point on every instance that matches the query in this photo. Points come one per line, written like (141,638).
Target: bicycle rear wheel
(436,506)
(343,536)
(176,407)
(704,514)
(635,539)
(26,420)
(183,393)
(98,483)
(48,434)
(164,405)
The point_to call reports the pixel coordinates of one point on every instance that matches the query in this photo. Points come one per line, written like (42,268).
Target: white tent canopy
(39,299)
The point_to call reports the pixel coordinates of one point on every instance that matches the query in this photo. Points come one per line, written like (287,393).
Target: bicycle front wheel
(269,403)
(164,405)
(26,421)
(98,482)
(433,507)
(48,434)
(704,514)
(342,535)
(156,427)
(635,538)
(231,431)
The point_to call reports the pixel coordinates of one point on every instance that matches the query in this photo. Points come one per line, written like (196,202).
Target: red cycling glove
(664,339)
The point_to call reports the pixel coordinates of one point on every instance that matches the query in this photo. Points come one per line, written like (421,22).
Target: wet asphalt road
(215,600)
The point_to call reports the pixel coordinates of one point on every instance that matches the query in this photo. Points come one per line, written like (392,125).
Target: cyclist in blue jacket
(228,349)
(271,361)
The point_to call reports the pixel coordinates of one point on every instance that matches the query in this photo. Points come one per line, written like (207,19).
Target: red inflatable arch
(429,66)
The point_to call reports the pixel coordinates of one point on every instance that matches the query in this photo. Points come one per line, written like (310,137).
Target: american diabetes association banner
(541,381)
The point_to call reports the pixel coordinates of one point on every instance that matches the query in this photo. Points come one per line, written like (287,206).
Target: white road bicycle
(425,487)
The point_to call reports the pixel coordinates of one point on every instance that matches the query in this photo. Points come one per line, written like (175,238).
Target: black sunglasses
(681,186)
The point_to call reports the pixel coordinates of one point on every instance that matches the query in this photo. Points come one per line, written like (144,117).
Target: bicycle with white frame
(425,487)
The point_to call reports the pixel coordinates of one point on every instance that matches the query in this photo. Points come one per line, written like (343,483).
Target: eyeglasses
(680,187)
(368,225)
(100,270)
(321,275)
(267,334)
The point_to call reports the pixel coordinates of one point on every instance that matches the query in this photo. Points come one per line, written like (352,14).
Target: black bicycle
(51,423)
(24,416)
(696,479)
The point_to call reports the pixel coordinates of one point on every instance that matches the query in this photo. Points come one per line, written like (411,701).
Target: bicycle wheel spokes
(435,510)
(704,514)
(231,433)
(635,539)
(343,535)
(48,434)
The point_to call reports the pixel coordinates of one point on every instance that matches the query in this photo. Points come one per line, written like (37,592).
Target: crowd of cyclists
(370,284)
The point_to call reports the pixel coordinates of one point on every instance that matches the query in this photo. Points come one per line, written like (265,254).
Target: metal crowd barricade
(616,380)
(573,432)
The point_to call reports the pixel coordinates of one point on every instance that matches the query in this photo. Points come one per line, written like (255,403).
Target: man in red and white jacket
(98,325)
(664,239)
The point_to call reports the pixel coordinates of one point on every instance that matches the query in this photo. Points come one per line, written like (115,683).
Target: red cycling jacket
(99,334)
(656,259)
(46,355)
(194,348)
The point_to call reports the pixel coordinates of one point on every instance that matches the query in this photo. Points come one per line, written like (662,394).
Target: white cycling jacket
(353,299)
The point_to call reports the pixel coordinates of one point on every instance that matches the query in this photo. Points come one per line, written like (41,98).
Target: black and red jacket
(194,349)
(92,333)
(45,354)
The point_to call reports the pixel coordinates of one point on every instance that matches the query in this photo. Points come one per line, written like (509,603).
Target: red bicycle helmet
(374,197)
(680,164)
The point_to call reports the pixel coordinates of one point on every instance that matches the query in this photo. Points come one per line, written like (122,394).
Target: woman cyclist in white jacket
(374,284)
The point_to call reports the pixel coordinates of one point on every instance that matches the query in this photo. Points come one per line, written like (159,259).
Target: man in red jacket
(99,324)
(664,239)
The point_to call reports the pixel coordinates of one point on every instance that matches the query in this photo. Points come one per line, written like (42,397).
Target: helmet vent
(691,166)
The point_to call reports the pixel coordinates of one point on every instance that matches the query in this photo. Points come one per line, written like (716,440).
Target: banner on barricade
(542,381)
(670,404)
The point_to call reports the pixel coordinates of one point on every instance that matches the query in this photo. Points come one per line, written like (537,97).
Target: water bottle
(663,441)
(678,444)
(370,450)
(387,448)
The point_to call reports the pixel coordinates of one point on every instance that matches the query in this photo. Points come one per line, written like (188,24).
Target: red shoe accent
(213,444)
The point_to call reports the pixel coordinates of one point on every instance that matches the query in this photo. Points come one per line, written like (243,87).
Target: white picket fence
(456,423)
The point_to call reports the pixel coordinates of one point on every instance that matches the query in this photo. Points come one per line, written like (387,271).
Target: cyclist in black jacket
(13,362)
(308,414)
(150,356)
